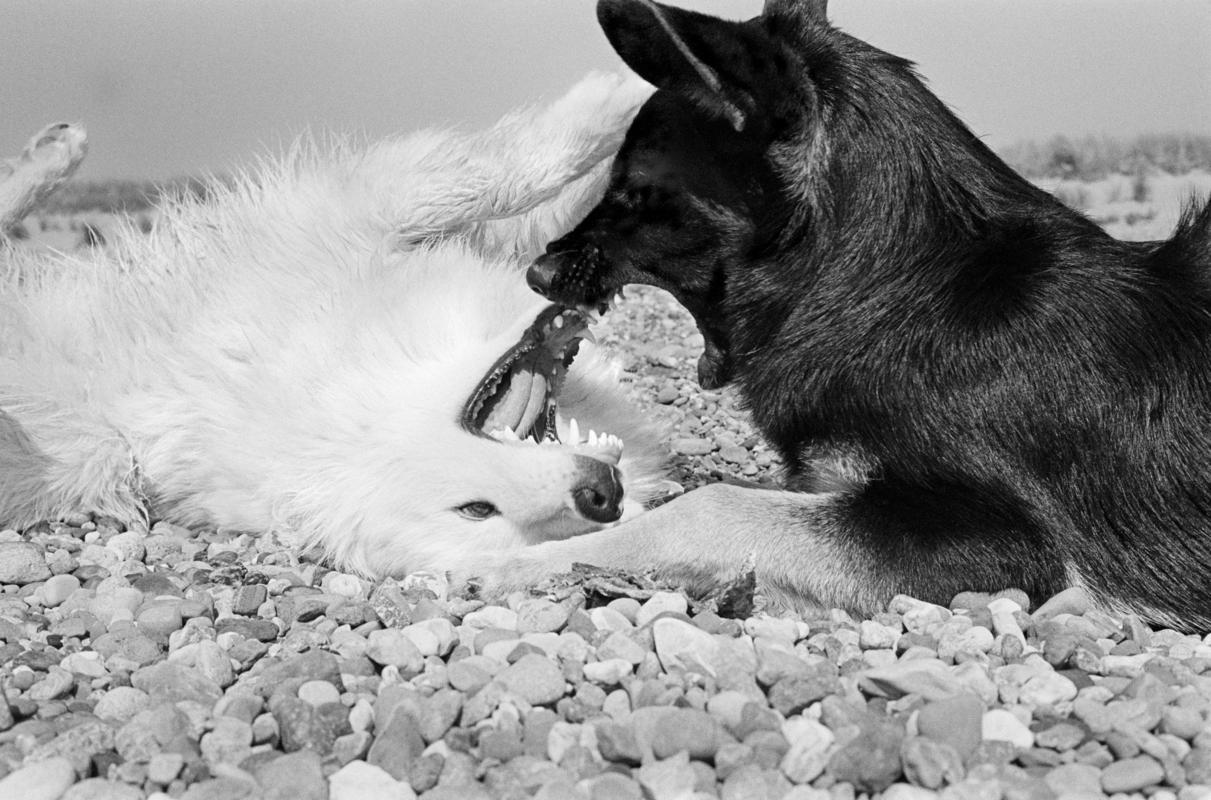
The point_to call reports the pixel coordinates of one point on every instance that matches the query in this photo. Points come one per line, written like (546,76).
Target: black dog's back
(997,392)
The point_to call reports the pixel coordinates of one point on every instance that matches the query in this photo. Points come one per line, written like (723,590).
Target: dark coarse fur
(996,392)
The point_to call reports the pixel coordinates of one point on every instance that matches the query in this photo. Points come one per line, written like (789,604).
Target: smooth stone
(358,780)
(683,647)
(661,603)
(121,703)
(1073,600)
(1132,775)
(928,677)
(102,789)
(433,637)
(871,760)
(398,745)
(1075,778)
(390,647)
(808,754)
(492,617)
(535,678)
(999,724)
(22,563)
(1047,689)
(671,779)
(684,729)
(621,645)
(956,721)
(540,616)
(175,683)
(317,693)
(229,741)
(609,672)
(692,446)
(163,768)
(41,780)
(58,588)
(930,763)
(294,776)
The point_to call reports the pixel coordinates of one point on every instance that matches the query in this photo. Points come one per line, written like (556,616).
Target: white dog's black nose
(598,490)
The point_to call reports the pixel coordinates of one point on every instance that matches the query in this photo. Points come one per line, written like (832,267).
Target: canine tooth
(557,322)
(592,438)
(573,431)
(617,298)
(505,434)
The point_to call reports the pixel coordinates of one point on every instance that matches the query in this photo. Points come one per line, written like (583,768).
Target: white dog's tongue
(524,399)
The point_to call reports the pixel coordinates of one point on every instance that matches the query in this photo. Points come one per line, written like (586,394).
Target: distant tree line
(1092,158)
(1084,158)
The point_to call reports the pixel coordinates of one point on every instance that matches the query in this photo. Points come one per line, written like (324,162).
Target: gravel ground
(201,664)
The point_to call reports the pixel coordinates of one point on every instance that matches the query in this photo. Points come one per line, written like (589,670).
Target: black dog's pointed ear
(693,54)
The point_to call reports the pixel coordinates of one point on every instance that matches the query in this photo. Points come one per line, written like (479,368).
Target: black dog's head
(694,189)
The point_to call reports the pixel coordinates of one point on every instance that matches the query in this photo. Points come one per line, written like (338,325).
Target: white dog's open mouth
(517,399)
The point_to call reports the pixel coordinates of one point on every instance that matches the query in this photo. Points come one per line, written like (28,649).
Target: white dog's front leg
(704,540)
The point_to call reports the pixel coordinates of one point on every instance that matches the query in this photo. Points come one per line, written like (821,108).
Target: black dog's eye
(477,510)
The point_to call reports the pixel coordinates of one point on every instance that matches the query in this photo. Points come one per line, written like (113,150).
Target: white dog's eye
(477,510)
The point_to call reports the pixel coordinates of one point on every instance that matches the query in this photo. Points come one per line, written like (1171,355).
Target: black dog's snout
(598,492)
(541,274)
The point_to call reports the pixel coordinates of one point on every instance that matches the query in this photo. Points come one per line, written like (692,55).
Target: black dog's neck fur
(941,217)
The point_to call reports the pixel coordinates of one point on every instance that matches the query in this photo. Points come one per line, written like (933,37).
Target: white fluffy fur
(293,353)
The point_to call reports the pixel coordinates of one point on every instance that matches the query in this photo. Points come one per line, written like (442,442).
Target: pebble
(358,780)
(609,672)
(928,677)
(809,749)
(1001,725)
(317,693)
(661,603)
(540,616)
(391,647)
(1132,775)
(682,647)
(956,721)
(22,563)
(58,588)
(41,780)
(121,703)
(689,446)
(534,678)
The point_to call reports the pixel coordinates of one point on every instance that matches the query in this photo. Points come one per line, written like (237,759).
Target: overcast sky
(168,87)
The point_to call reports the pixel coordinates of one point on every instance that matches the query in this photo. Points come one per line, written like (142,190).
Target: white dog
(341,347)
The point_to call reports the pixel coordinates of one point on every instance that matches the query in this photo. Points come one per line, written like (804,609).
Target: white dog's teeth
(557,322)
(618,298)
(505,434)
(573,431)
(592,440)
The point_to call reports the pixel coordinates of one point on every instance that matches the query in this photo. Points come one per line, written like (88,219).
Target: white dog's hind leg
(50,158)
(521,162)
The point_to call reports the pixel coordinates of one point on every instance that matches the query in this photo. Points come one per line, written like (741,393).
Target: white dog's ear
(699,56)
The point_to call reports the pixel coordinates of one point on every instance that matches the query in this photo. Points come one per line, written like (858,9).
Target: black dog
(973,386)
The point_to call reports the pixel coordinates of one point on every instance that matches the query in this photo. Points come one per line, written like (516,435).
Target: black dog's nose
(597,494)
(541,274)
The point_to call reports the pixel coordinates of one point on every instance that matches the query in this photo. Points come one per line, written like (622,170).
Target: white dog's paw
(496,574)
(603,103)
